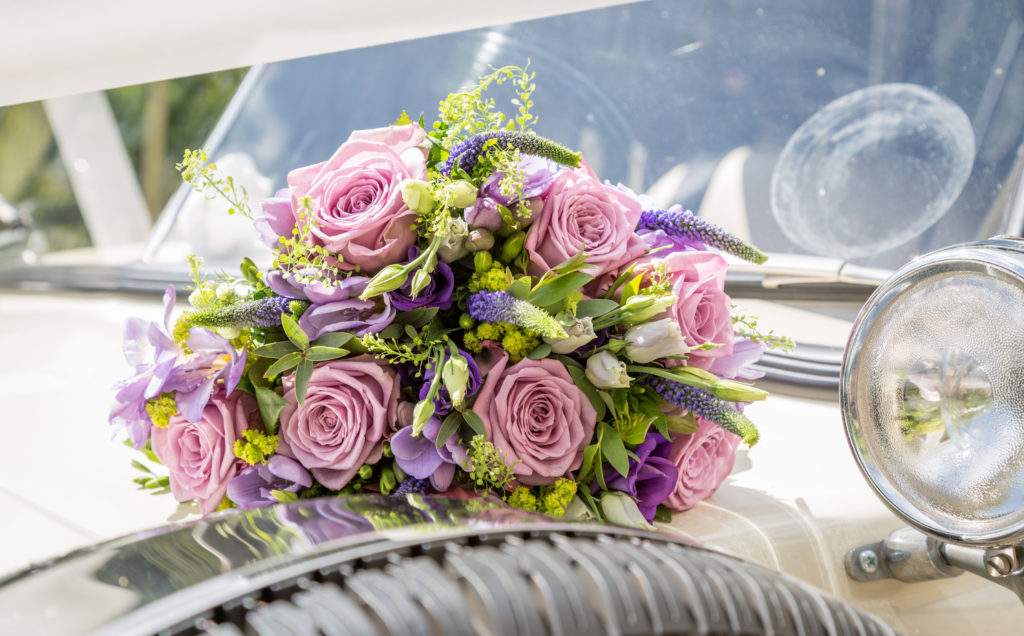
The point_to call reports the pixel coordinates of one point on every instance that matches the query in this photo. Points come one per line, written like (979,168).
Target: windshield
(869,133)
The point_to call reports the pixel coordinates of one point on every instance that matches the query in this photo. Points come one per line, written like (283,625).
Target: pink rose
(357,195)
(702,307)
(704,460)
(200,456)
(580,211)
(536,418)
(348,409)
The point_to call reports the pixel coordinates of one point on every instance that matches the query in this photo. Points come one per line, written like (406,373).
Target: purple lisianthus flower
(420,457)
(338,308)
(437,293)
(734,366)
(152,353)
(253,486)
(443,402)
(538,173)
(651,477)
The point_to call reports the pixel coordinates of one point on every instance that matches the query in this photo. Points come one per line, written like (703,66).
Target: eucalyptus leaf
(542,351)
(337,339)
(416,317)
(685,424)
(475,422)
(317,353)
(557,289)
(391,332)
(614,450)
(285,363)
(632,288)
(294,331)
(271,404)
(573,263)
(449,427)
(302,375)
(620,281)
(276,349)
(590,454)
(595,307)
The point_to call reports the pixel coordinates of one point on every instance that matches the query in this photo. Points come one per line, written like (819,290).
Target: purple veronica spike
(465,154)
(412,485)
(265,312)
(702,403)
(686,224)
(499,306)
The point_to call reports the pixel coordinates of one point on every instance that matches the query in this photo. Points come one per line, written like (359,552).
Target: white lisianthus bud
(578,334)
(480,239)
(455,375)
(421,414)
(453,243)
(605,371)
(619,508)
(463,193)
(653,340)
(417,195)
(642,307)
(388,279)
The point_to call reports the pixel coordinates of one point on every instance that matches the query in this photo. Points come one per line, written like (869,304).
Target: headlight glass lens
(933,392)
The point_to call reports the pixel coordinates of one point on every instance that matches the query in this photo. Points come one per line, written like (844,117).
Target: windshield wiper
(798,276)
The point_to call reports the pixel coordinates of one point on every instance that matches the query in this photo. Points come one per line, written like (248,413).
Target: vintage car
(861,145)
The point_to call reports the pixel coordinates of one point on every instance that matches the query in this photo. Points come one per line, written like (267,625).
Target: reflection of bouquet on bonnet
(462,308)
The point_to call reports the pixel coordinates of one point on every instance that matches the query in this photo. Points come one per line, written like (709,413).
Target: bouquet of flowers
(465,307)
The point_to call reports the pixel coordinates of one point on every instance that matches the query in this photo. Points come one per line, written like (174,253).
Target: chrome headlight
(933,392)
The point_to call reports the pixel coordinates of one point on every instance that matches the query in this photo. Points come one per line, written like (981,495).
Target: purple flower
(651,477)
(338,308)
(667,244)
(278,218)
(465,154)
(703,404)
(214,358)
(734,366)
(437,293)
(253,486)
(420,457)
(152,353)
(683,223)
(443,403)
(538,173)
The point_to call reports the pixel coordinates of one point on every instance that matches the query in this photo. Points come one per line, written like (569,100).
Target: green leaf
(663,515)
(573,263)
(590,454)
(557,289)
(632,288)
(393,331)
(275,349)
(684,424)
(595,307)
(579,377)
(337,339)
(294,331)
(403,119)
(416,317)
(285,363)
(542,351)
(449,427)
(614,450)
(302,375)
(588,499)
(271,404)
(569,362)
(520,288)
(685,375)
(620,281)
(619,397)
(140,466)
(318,354)
(475,422)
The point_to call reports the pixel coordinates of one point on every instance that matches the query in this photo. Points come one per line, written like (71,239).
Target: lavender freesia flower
(443,403)
(338,308)
(437,293)
(651,477)
(420,457)
(152,353)
(734,366)
(253,486)
(538,173)
(214,358)
(278,218)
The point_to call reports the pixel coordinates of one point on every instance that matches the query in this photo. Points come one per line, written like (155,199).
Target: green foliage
(469,112)
(255,447)
(161,409)
(489,470)
(746,327)
(271,404)
(206,178)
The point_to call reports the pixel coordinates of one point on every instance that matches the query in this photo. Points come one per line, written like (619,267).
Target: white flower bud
(455,375)
(417,195)
(578,334)
(453,243)
(653,340)
(463,193)
(605,371)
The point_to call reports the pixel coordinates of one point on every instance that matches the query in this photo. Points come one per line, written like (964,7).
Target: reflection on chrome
(943,397)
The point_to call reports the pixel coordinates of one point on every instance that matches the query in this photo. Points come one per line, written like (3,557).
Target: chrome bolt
(868,561)
(999,564)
